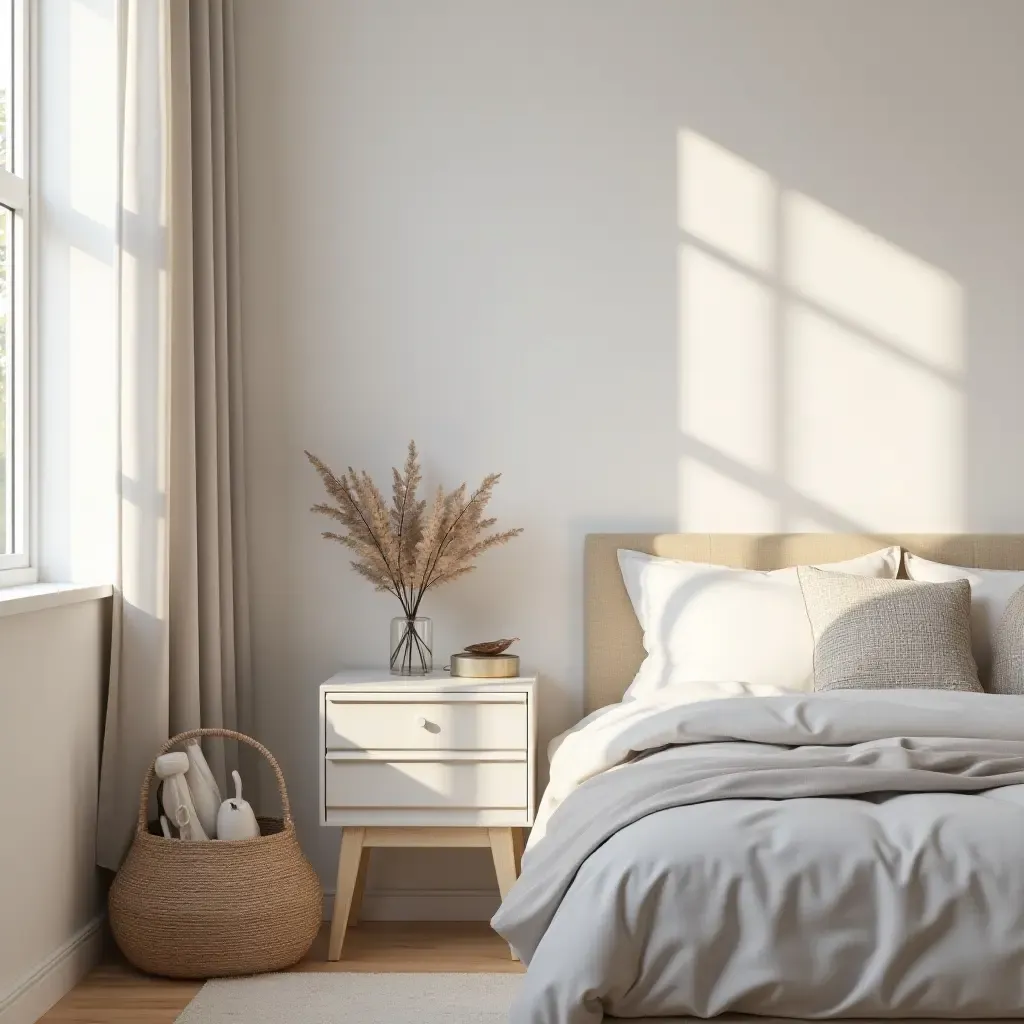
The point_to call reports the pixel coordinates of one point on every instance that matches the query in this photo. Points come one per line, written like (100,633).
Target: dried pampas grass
(405,548)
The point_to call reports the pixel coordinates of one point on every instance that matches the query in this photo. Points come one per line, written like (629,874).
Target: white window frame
(17,193)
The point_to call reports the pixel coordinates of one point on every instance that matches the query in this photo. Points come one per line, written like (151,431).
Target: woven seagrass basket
(210,909)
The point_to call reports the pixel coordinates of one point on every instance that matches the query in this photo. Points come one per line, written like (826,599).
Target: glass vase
(412,642)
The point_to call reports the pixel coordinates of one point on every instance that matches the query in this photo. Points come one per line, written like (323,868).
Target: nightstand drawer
(426,784)
(426,725)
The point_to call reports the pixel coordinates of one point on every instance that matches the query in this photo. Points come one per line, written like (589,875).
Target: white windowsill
(34,597)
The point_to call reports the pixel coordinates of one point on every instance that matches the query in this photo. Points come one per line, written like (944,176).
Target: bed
(851,854)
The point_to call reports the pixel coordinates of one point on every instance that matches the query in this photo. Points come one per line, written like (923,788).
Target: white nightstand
(427,761)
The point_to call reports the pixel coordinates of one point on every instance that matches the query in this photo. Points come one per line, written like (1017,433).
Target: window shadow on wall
(820,365)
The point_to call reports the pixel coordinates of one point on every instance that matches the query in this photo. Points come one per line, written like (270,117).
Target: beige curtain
(180,644)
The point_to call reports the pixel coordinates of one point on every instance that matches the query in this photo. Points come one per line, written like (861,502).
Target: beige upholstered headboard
(612,637)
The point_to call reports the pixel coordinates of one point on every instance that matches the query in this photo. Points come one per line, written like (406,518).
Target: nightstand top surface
(381,679)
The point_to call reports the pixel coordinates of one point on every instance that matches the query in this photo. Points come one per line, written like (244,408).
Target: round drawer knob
(421,722)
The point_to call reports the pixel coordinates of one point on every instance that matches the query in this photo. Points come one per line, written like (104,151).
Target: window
(15,560)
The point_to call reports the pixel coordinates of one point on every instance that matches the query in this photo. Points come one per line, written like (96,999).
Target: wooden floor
(114,993)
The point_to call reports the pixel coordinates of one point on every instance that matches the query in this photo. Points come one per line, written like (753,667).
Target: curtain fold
(180,643)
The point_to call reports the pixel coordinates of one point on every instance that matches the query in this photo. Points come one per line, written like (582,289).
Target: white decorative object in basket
(235,819)
(203,787)
(177,799)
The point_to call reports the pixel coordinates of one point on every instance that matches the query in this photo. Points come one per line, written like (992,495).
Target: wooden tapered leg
(357,896)
(503,851)
(518,842)
(349,859)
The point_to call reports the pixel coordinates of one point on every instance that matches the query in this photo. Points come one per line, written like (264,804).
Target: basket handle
(226,734)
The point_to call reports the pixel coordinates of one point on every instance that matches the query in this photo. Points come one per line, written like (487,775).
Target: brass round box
(484,666)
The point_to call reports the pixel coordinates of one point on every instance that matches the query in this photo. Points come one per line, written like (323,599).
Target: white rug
(308,998)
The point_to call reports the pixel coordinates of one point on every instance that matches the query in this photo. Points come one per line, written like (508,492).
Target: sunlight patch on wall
(816,359)
(874,437)
(727,358)
(713,502)
(726,201)
(877,287)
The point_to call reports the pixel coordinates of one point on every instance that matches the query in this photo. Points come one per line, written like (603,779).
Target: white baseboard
(422,905)
(55,976)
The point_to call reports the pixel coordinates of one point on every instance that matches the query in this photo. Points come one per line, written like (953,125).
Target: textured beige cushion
(889,634)
(1008,649)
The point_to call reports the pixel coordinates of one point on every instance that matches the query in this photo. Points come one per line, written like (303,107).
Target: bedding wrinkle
(899,926)
(647,889)
(718,968)
(805,856)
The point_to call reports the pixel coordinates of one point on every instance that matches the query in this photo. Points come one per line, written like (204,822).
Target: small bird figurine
(491,646)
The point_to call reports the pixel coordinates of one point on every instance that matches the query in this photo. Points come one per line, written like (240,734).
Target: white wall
(53,673)
(75,329)
(670,264)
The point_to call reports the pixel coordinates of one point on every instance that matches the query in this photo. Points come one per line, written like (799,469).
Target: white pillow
(991,590)
(709,624)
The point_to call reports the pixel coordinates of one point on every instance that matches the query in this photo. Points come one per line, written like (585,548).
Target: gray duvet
(828,855)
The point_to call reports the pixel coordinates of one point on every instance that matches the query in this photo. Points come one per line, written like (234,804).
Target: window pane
(6,454)
(6,79)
